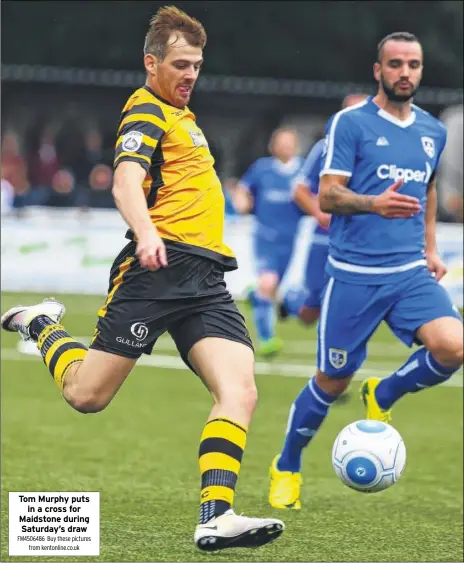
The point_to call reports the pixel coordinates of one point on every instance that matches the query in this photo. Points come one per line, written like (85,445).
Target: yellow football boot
(285,488)
(373,411)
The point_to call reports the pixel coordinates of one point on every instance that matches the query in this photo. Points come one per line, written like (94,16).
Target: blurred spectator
(63,191)
(43,165)
(7,197)
(94,173)
(14,167)
(100,183)
(450,186)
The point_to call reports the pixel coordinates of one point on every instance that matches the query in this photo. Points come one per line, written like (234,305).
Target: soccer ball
(369,456)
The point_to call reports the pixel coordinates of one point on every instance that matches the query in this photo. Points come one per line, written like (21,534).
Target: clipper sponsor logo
(395,173)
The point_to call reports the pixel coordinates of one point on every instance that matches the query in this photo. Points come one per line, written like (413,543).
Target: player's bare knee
(244,396)
(449,353)
(332,386)
(250,397)
(85,401)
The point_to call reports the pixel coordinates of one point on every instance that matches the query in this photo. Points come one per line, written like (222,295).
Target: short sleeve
(341,146)
(140,130)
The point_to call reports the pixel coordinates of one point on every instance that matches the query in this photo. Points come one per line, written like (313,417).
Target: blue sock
(306,415)
(264,316)
(293,301)
(419,372)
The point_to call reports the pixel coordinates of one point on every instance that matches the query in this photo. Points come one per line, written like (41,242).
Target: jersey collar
(391,118)
(148,89)
(289,167)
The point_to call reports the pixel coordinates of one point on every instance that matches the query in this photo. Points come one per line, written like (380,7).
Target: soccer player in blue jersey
(266,191)
(378,183)
(306,304)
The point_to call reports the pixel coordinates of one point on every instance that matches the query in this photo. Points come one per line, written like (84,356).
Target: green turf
(141,454)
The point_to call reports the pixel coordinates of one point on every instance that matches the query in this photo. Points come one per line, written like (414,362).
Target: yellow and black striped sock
(221,450)
(59,350)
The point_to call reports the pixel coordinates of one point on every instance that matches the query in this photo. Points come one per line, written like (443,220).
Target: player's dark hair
(163,23)
(396,36)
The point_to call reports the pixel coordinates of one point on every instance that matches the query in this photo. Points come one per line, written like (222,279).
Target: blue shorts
(272,257)
(315,275)
(351,313)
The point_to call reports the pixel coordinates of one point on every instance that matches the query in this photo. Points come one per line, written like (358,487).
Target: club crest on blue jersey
(428,146)
(337,358)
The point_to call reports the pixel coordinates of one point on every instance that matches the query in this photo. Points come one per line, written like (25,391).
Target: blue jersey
(374,150)
(309,175)
(270,182)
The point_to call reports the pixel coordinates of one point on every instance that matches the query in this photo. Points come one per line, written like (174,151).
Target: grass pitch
(141,454)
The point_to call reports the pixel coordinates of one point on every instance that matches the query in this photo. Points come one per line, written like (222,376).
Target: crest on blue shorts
(337,358)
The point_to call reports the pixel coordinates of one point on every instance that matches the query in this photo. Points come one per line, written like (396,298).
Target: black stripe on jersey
(144,150)
(157,160)
(132,158)
(147,107)
(152,109)
(145,127)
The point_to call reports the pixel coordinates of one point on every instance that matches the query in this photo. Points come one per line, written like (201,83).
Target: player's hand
(323,220)
(151,251)
(436,265)
(392,205)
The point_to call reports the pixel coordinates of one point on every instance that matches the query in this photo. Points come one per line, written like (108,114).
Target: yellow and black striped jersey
(184,194)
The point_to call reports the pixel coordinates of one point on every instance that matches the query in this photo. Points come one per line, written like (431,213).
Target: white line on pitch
(261,368)
(293,347)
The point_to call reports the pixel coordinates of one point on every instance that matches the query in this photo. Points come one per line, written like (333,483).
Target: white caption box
(60,524)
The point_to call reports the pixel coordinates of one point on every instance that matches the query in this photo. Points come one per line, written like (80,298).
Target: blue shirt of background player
(270,182)
(309,175)
(373,149)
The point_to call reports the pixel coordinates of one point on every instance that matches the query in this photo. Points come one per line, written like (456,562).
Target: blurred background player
(378,182)
(306,303)
(265,191)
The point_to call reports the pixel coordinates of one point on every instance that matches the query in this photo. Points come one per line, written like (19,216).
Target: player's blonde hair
(169,19)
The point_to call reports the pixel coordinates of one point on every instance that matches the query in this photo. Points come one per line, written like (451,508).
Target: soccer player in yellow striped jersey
(183,193)
(169,277)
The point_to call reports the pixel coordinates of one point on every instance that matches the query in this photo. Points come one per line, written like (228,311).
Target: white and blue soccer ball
(369,456)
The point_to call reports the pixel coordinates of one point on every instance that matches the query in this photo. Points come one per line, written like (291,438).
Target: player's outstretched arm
(336,198)
(131,203)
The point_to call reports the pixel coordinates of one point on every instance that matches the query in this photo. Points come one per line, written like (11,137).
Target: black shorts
(188,299)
